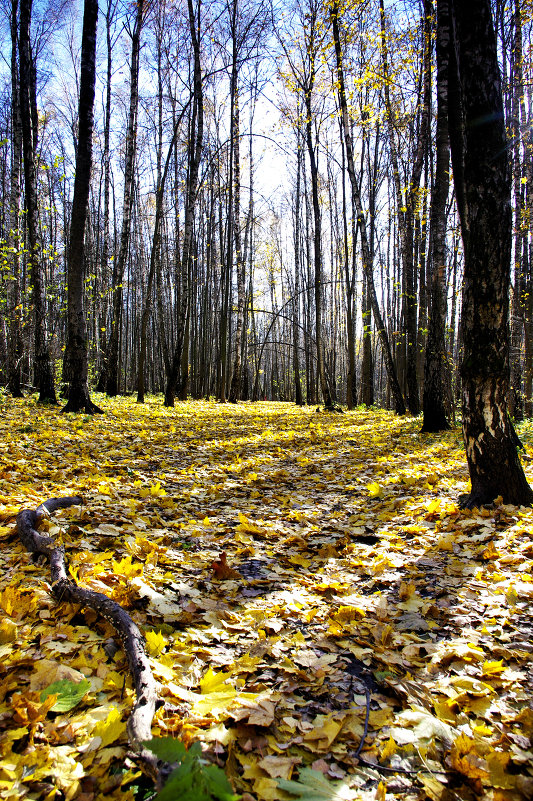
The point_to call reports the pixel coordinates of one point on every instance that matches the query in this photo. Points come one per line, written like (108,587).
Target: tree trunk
(482,181)
(296,303)
(107,187)
(156,241)
(407,205)
(519,296)
(349,281)
(317,243)
(112,360)
(44,374)
(14,341)
(235,387)
(180,359)
(435,418)
(76,352)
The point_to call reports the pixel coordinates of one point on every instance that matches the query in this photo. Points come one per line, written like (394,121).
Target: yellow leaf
(247,526)
(491,552)
(296,559)
(110,729)
(434,506)
(212,682)
(374,490)
(388,749)
(493,668)
(381,792)
(406,590)
(466,760)
(8,631)
(511,596)
(155,642)
(127,568)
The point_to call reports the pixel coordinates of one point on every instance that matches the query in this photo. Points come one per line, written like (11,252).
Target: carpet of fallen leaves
(311,595)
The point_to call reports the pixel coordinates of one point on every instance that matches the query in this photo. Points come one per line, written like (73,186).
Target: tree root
(139,725)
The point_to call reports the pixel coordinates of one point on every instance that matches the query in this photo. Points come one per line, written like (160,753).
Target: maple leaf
(222,571)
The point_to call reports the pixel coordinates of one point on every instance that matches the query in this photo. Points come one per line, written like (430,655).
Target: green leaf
(313,786)
(193,779)
(167,749)
(69,693)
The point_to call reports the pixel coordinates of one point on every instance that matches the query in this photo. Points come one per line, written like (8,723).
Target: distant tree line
(196,277)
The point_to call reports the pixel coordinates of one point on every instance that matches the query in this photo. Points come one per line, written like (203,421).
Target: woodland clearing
(312,597)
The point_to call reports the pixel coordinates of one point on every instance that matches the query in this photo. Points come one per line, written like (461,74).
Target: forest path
(307,586)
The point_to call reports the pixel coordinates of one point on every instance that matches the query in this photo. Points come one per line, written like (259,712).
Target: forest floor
(319,612)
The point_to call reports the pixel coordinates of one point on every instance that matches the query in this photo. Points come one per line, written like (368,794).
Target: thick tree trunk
(76,352)
(14,341)
(482,180)
(44,374)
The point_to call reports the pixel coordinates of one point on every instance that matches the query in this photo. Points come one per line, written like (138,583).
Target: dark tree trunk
(435,418)
(44,374)
(107,187)
(235,386)
(519,293)
(482,180)
(14,342)
(76,352)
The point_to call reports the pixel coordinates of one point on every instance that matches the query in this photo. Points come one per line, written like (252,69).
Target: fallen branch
(64,589)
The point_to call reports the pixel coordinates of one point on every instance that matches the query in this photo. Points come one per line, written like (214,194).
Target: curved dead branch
(64,589)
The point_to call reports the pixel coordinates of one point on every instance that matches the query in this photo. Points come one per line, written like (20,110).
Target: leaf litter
(322,618)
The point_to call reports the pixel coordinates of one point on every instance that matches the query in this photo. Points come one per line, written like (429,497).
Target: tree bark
(180,357)
(235,386)
(107,187)
(482,180)
(44,374)
(14,341)
(435,418)
(111,360)
(76,364)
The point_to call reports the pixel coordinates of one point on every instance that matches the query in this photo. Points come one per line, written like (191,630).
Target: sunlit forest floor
(312,598)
